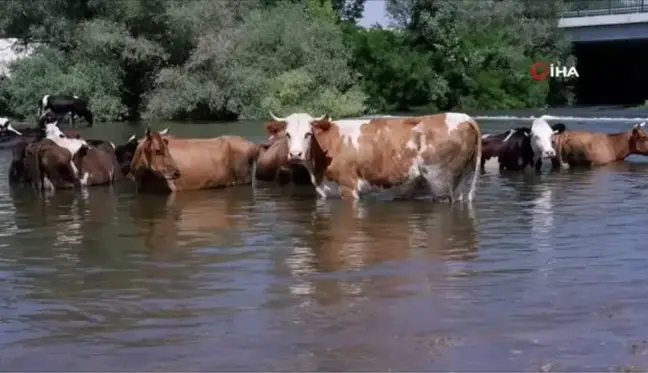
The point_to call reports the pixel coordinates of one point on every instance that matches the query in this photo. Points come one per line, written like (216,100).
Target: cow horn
(277,118)
(132,138)
(164,131)
(322,117)
(10,128)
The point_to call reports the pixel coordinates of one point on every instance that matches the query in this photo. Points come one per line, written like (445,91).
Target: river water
(546,273)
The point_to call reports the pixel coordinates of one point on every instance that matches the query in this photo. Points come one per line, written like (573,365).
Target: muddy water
(546,273)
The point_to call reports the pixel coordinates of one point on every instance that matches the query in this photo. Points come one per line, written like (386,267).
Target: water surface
(545,272)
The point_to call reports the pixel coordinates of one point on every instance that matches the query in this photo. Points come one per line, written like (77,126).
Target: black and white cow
(518,148)
(61,105)
(9,136)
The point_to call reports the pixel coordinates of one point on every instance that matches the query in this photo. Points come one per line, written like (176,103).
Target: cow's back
(448,139)
(583,148)
(205,163)
(452,140)
(101,165)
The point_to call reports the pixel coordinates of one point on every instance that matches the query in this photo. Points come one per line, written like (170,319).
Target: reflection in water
(270,278)
(191,219)
(341,240)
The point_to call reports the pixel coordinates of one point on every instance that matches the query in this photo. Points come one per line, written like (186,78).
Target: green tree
(261,64)
(482,49)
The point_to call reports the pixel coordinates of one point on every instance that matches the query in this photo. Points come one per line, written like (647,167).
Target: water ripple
(545,271)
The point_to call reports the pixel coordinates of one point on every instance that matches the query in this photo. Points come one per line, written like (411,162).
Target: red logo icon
(539,70)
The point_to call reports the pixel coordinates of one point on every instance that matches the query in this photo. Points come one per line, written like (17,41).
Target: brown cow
(580,148)
(97,165)
(439,154)
(58,162)
(273,165)
(49,166)
(169,164)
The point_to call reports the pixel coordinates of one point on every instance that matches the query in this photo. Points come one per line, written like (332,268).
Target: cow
(63,104)
(9,136)
(35,134)
(169,164)
(273,164)
(17,169)
(97,164)
(126,151)
(107,146)
(5,126)
(438,154)
(586,149)
(522,147)
(58,162)
(8,132)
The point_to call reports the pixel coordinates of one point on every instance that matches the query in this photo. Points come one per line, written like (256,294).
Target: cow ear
(274,127)
(323,124)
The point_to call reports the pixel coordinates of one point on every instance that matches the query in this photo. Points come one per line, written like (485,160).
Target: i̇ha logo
(540,70)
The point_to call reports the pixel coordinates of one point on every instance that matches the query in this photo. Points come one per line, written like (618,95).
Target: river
(546,273)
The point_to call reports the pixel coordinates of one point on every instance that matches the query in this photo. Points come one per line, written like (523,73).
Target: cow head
(52,130)
(152,154)
(639,139)
(541,135)
(298,129)
(5,127)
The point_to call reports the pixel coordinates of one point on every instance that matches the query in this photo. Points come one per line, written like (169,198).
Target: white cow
(541,138)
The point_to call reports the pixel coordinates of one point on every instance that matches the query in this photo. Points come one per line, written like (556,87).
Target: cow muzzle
(174,175)
(296,157)
(549,153)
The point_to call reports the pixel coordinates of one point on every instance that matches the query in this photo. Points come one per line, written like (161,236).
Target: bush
(49,72)
(239,59)
(262,64)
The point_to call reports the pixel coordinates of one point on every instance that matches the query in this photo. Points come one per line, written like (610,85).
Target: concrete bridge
(605,20)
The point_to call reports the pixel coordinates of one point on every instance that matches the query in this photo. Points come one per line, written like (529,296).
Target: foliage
(48,72)
(195,60)
(226,74)
(482,49)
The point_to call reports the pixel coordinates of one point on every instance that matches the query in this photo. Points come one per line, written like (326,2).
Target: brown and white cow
(47,165)
(439,154)
(580,148)
(273,164)
(169,164)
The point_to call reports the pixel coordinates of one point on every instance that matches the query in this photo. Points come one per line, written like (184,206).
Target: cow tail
(477,157)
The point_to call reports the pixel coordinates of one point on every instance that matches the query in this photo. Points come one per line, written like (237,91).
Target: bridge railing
(587,8)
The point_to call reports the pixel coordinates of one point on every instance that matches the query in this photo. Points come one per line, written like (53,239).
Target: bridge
(610,42)
(605,20)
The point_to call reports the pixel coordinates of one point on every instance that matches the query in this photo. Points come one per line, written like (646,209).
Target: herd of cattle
(439,155)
